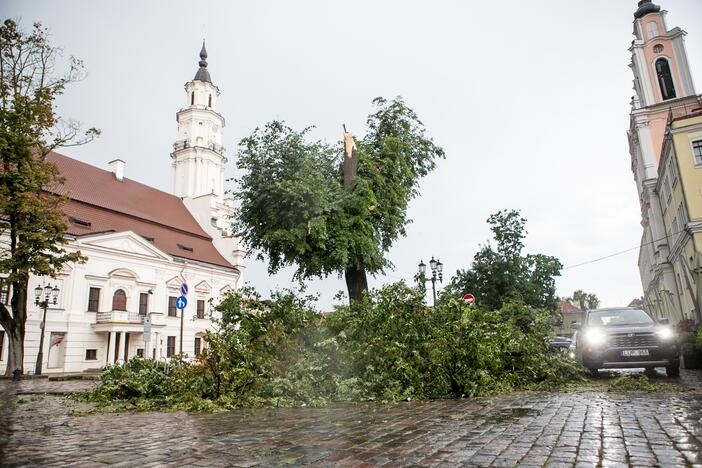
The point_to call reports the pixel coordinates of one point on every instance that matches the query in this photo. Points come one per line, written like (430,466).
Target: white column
(120,352)
(111,348)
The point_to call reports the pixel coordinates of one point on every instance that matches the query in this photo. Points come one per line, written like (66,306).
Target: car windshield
(616,317)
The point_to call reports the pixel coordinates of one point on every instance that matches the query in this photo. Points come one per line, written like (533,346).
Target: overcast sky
(530,101)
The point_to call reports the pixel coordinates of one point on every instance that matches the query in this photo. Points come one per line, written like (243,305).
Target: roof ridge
(110,172)
(127,196)
(146,220)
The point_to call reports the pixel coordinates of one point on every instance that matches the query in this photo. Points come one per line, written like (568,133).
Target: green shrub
(630,383)
(388,347)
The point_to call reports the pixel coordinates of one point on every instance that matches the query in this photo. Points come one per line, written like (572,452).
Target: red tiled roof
(107,204)
(567,308)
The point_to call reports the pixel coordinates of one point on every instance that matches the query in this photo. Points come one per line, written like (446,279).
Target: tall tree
(499,274)
(32,227)
(587,301)
(333,209)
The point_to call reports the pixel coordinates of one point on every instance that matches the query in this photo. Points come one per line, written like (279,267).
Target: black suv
(626,337)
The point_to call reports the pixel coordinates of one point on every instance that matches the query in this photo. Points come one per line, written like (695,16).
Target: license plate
(634,352)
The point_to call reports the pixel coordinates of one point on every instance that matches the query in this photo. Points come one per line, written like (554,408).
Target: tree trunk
(14,325)
(356,283)
(15,352)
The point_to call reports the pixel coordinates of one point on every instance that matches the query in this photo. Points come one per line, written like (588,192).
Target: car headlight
(665,333)
(594,336)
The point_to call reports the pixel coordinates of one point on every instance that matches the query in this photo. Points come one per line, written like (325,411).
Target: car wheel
(650,370)
(594,371)
(673,370)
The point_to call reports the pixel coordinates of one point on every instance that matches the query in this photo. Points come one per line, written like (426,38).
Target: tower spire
(202,73)
(646,7)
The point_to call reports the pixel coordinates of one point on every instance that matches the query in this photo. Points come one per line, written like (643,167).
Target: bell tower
(663,90)
(659,61)
(198,154)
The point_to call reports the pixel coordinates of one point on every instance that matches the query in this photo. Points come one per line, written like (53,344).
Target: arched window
(209,101)
(192,98)
(665,79)
(119,300)
(652,29)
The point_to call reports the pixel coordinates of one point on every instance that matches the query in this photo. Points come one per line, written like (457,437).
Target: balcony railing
(183,144)
(123,316)
(118,316)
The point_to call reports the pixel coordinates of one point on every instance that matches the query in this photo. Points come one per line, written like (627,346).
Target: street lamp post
(44,304)
(437,269)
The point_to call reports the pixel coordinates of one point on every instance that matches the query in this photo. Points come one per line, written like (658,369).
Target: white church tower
(199,163)
(198,154)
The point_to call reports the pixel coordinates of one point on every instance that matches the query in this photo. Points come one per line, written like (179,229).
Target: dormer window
(185,247)
(79,222)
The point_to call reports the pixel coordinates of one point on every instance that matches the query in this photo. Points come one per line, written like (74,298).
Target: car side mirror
(575,325)
(663,321)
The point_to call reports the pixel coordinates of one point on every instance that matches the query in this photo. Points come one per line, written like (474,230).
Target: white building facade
(141,245)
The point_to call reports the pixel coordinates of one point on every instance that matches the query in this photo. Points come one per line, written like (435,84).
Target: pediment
(174,282)
(203,286)
(126,242)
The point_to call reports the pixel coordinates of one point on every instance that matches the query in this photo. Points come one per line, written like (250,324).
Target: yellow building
(679,189)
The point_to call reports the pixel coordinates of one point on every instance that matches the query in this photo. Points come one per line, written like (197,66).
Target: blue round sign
(184,289)
(181,302)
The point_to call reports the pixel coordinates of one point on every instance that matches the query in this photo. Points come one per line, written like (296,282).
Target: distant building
(570,314)
(141,244)
(636,303)
(680,186)
(663,86)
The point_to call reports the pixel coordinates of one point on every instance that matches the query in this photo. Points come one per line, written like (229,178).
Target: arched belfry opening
(665,79)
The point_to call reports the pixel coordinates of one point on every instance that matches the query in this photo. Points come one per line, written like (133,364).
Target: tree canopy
(503,273)
(296,210)
(587,301)
(32,222)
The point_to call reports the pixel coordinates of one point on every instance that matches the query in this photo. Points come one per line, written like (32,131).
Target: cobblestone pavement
(583,428)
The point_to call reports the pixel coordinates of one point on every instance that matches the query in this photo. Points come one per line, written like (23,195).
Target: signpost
(181,303)
(148,319)
(469,299)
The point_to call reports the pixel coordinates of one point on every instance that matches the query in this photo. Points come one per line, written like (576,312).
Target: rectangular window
(140,352)
(682,215)
(697,151)
(197,346)
(172,310)
(143,303)
(91,354)
(4,292)
(94,300)
(2,342)
(673,169)
(170,346)
(200,309)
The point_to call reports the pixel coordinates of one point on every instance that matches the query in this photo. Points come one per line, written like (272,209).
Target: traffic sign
(181,302)
(469,299)
(184,289)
